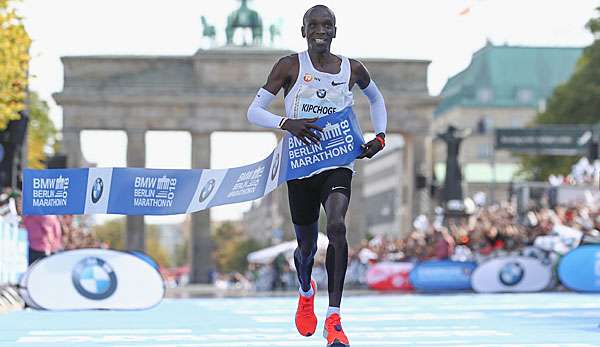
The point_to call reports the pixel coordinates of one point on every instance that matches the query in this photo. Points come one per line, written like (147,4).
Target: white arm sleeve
(378,112)
(257,112)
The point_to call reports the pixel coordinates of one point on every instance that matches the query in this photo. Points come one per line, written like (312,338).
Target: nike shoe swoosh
(339,187)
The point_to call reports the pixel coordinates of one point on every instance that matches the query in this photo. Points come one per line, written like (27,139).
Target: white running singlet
(318,93)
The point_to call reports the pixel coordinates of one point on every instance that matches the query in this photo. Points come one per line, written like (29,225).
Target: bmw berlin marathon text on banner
(137,191)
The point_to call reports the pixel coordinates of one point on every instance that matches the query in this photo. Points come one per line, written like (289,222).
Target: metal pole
(493,185)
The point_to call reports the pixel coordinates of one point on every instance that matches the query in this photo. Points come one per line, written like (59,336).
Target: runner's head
(318,27)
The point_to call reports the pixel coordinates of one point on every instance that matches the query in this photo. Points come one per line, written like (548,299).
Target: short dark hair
(322,7)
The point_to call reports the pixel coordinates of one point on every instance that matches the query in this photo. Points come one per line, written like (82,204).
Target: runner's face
(319,29)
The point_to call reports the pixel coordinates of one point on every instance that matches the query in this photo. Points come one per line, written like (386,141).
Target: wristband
(282,122)
(381,140)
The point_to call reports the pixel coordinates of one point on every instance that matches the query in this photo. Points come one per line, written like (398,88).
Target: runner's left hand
(369,149)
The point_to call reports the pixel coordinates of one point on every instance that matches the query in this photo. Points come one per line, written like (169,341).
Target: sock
(307,294)
(331,310)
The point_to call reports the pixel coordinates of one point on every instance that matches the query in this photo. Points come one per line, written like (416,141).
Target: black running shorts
(306,195)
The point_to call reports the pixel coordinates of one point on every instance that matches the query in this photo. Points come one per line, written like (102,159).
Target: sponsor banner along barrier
(512,274)
(137,191)
(14,249)
(88,279)
(440,275)
(390,276)
(579,270)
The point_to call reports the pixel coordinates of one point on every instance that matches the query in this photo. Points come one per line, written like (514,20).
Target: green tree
(232,247)
(594,24)
(575,102)
(113,233)
(41,131)
(154,248)
(181,254)
(14,63)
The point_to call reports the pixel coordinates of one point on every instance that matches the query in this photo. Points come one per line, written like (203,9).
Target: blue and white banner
(440,275)
(136,191)
(14,249)
(579,270)
(512,275)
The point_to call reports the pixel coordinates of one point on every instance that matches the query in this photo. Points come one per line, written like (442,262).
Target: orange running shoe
(334,333)
(306,320)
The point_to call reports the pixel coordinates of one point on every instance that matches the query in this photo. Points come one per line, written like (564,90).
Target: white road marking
(386,317)
(110,332)
(275,337)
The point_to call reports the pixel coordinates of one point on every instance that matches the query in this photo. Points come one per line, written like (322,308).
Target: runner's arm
(378,111)
(259,115)
(257,112)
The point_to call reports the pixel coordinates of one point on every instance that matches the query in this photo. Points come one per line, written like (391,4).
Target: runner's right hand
(301,128)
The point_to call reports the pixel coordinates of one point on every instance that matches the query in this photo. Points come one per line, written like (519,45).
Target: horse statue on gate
(275,30)
(244,17)
(207,29)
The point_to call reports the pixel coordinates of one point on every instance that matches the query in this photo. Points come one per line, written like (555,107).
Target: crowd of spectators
(490,231)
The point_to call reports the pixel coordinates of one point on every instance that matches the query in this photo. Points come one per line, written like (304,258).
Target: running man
(316,83)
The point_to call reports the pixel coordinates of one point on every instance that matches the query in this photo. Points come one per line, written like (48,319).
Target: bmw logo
(94,279)
(207,189)
(275,167)
(511,274)
(97,190)
(321,93)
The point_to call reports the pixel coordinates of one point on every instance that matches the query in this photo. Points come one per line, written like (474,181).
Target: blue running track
(523,320)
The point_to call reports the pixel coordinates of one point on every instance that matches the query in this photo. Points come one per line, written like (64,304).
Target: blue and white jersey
(317,93)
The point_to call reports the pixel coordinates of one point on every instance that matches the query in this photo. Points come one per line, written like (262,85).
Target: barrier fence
(578,270)
(13,252)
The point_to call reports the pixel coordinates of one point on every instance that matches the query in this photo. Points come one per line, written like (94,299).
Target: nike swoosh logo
(334,83)
(340,187)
